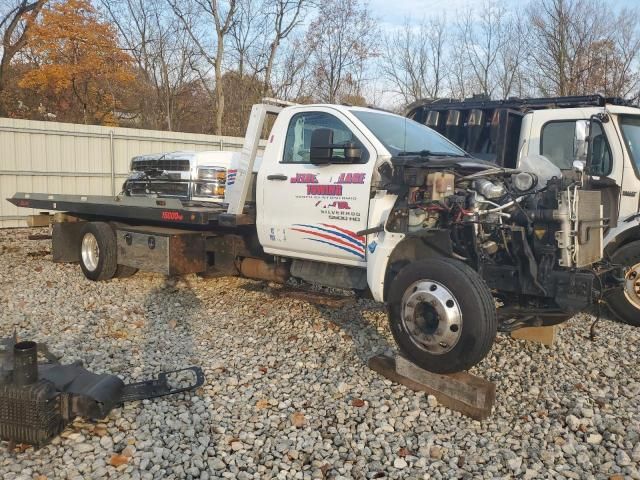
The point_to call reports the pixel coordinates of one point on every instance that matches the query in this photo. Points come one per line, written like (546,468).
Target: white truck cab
(592,132)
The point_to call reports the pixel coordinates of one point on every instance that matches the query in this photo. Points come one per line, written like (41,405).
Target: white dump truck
(594,132)
(362,199)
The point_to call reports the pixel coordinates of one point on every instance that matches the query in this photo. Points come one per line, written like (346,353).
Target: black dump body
(490,129)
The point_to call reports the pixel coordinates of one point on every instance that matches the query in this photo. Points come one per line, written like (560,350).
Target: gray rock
(635,455)
(622,458)
(400,463)
(573,422)
(217,464)
(594,439)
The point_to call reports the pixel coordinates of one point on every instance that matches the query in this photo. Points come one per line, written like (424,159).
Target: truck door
(556,135)
(314,211)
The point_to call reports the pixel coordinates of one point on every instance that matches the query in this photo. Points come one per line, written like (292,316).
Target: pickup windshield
(404,136)
(631,132)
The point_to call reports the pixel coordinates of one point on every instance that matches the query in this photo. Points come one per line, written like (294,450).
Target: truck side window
(601,164)
(297,145)
(557,143)
(558,146)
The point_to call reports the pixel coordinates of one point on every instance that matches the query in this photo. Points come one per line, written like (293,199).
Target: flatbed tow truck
(362,199)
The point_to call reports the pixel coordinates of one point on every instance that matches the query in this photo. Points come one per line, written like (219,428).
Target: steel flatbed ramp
(139,209)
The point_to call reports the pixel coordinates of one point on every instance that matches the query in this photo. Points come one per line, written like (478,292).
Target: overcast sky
(394,12)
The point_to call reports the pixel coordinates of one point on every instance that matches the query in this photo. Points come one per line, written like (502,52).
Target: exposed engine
(535,241)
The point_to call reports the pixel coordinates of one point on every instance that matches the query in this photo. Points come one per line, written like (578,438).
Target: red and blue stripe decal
(231,176)
(334,236)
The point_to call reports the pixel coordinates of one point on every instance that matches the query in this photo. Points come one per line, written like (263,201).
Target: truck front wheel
(625,302)
(442,315)
(98,252)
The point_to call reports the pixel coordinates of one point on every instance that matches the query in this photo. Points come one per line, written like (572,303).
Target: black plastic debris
(37,400)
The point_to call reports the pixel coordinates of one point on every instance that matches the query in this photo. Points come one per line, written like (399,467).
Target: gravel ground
(288,393)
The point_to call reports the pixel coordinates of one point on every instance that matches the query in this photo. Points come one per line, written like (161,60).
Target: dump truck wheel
(98,252)
(442,315)
(624,302)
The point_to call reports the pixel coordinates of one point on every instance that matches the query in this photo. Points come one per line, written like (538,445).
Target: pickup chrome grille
(172,165)
(158,187)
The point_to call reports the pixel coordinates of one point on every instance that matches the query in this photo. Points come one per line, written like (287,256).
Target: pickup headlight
(211,182)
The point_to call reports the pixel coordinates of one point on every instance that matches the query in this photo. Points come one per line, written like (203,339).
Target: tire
(450,319)
(125,272)
(98,252)
(624,302)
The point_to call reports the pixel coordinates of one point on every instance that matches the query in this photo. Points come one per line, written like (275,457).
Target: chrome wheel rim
(432,316)
(90,251)
(632,285)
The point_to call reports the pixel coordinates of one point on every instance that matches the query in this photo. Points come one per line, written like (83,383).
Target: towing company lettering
(351,178)
(231,176)
(305,178)
(334,236)
(325,190)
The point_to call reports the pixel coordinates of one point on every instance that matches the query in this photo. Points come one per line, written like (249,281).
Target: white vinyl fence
(49,157)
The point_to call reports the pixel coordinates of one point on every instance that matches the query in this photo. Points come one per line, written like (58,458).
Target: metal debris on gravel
(288,393)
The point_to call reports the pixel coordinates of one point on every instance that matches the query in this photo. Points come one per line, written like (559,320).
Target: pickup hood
(187,160)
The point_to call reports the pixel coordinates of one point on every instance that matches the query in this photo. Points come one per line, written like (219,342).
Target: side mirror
(322,149)
(352,153)
(321,141)
(581,140)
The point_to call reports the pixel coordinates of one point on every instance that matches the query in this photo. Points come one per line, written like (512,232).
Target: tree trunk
(219,89)
(267,73)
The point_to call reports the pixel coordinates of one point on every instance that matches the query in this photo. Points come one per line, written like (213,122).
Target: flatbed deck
(170,211)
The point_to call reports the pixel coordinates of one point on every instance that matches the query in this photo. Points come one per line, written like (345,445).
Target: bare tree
(15,23)
(291,74)
(195,16)
(414,61)
(163,54)
(564,34)
(509,68)
(483,34)
(285,16)
(341,40)
(247,29)
(620,69)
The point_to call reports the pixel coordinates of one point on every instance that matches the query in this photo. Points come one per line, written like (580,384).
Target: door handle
(276,177)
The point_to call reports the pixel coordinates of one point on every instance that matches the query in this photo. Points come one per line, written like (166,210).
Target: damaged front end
(37,400)
(536,239)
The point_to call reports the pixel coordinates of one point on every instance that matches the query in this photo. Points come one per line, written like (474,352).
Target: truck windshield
(631,132)
(404,136)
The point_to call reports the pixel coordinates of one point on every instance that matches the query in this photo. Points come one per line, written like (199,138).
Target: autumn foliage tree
(81,74)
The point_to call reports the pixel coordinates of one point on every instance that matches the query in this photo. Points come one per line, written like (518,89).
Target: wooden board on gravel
(465,393)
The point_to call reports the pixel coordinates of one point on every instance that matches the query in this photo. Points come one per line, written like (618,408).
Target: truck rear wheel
(98,252)
(625,301)
(442,315)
